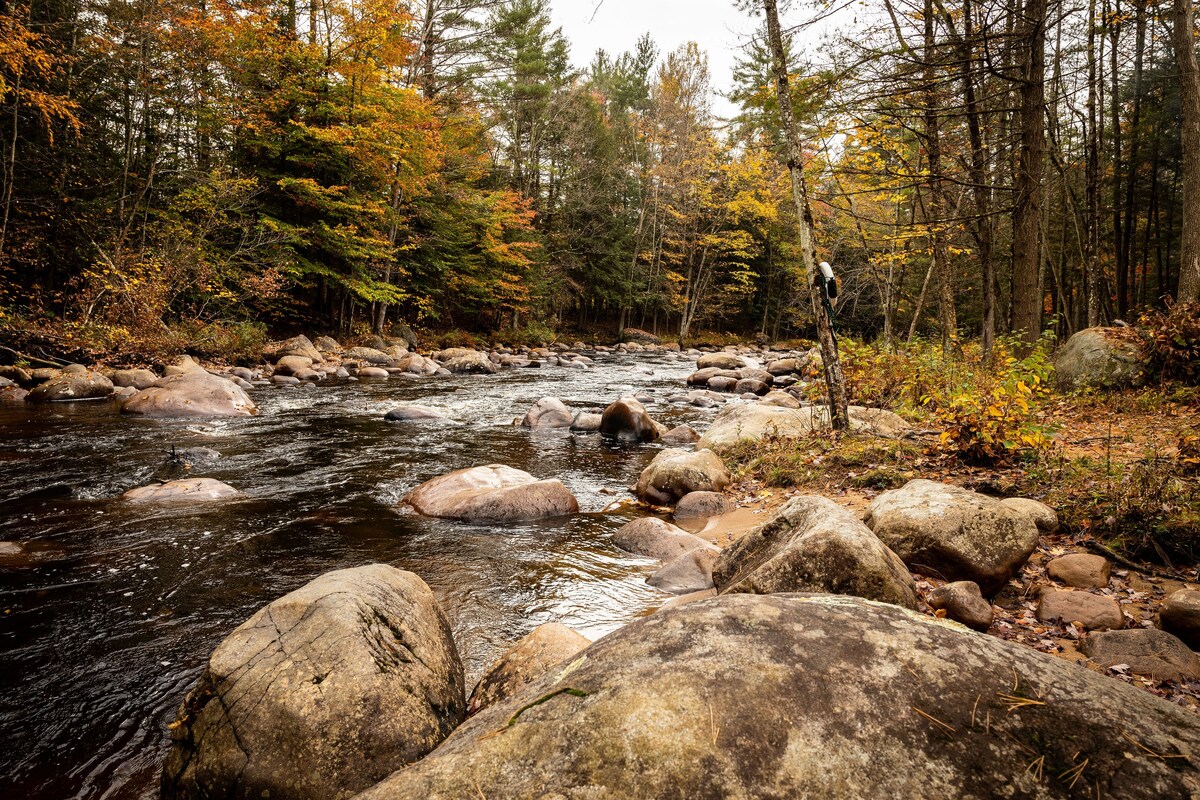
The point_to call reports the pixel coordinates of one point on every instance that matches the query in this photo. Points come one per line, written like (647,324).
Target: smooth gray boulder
(492,493)
(413,413)
(71,386)
(812,696)
(1100,358)
(680,435)
(720,361)
(749,422)
(299,346)
(536,653)
(674,473)
(687,573)
(137,378)
(191,394)
(656,538)
(321,694)
(953,532)
(549,412)
(626,420)
(1180,615)
(586,422)
(698,505)
(293,365)
(814,545)
(963,602)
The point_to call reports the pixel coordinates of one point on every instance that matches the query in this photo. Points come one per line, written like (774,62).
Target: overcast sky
(615,25)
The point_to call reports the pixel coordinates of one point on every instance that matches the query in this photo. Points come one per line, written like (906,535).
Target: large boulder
(321,694)
(414,413)
(183,490)
(370,356)
(543,648)
(626,420)
(299,346)
(1145,651)
(814,545)
(656,538)
(639,336)
(327,345)
(687,573)
(956,533)
(788,366)
(549,412)
(812,696)
(414,362)
(750,422)
(293,365)
(1180,615)
(492,493)
(74,385)
(136,378)
(720,361)
(191,394)
(674,473)
(463,360)
(698,505)
(1100,358)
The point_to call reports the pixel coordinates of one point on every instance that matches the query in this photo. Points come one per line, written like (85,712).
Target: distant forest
(975,168)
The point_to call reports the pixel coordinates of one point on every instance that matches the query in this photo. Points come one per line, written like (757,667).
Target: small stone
(1180,615)
(963,602)
(690,572)
(1081,570)
(696,505)
(1094,612)
(1146,651)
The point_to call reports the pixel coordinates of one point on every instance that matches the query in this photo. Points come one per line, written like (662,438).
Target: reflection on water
(109,614)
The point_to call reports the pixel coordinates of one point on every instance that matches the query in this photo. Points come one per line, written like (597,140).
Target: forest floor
(1120,470)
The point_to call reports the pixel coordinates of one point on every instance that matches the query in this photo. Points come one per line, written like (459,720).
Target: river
(109,620)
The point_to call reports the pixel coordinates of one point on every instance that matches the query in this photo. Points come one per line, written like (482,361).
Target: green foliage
(532,334)
(1172,342)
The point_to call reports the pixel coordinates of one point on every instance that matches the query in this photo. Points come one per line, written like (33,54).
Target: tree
(1183,40)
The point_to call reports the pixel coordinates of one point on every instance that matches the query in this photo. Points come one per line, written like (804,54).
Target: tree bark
(1027,300)
(1183,40)
(834,381)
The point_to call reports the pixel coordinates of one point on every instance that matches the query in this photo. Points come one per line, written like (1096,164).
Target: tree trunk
(1027,301)
(1183,40)
(834,381)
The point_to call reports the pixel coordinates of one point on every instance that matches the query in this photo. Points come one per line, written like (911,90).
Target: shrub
(1172,342)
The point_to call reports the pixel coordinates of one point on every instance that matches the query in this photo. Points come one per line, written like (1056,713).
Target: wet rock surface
(492,493)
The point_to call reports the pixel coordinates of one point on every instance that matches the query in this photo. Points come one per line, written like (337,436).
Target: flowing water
(108,616)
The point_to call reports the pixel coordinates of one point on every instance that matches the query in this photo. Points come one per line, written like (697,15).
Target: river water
(109,619)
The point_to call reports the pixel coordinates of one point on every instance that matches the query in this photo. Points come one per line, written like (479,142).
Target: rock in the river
(13,395)
(1144,651)
(186,365)
(586,422)
(1101,358)
(321,694)
(655,538)
(687,573)
(1094,612)
(674,473)
(549,412)
(192,394)
(1180,615)
(751,386)
(959,534)
(71,386)
(493,493)
(293,365)
(813,696)
(697,505)
(369,355)
(1045,517)
(788,366)
(780,398)
(720,361)
(1081,570)
(299,346)
(137,378)
(463,360)
(372,372)
(414,414)
(814,545)
(626,420)
(545,647)
(184,490)
(680,435)
(750,422)
(963,602)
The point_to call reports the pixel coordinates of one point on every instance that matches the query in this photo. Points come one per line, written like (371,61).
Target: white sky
(716,25)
